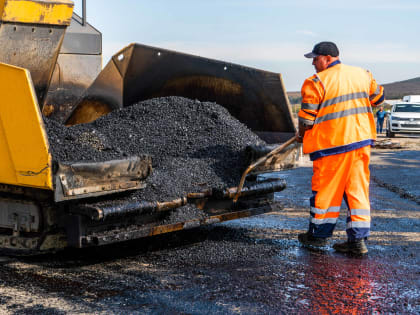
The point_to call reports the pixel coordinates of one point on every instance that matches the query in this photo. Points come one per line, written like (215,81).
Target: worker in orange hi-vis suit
(337,128)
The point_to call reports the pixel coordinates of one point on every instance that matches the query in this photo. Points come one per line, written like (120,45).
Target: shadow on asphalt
(72,257)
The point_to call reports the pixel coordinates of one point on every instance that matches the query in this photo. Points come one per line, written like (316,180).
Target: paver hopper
(255,97)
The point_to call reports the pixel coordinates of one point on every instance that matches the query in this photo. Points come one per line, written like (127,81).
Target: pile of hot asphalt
(194,145)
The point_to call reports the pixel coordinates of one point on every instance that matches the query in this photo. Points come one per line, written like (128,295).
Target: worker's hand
(299,138)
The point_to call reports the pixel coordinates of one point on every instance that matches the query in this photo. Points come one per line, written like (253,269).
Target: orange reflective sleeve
(306,118)
(312,94)
(376,93)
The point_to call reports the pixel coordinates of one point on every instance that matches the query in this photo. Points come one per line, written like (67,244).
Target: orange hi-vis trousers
(334,177)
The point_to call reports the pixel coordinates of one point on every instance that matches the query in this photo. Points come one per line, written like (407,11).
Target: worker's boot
(357,247)
(307,239)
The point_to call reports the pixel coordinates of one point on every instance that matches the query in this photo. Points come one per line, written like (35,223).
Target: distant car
(404,118)
(412,98)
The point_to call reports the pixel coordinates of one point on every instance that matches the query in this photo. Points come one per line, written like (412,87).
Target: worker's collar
(334,63)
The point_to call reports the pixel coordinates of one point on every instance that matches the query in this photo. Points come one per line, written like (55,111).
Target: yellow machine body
(57,12)
(24,151)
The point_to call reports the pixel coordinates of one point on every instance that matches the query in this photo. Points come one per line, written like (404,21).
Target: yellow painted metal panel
(24,154)
(54,12)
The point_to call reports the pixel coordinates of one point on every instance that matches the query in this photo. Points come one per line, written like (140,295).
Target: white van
(412,98)
(405,116)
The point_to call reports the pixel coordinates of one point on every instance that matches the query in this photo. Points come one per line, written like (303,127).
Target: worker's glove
(299,138)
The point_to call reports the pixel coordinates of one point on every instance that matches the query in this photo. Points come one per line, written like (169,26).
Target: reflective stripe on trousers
(337,176)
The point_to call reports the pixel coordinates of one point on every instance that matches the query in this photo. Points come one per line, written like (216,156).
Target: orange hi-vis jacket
(337,104)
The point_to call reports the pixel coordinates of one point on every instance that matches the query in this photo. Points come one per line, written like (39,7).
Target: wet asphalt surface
(248,266)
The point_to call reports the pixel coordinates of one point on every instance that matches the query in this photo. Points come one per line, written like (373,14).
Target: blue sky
(379,35)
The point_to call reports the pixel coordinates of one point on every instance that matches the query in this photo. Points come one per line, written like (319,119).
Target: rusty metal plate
(114,236)
(34,47)
(82,180)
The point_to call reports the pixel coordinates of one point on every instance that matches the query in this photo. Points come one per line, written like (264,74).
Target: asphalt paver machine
(50,65)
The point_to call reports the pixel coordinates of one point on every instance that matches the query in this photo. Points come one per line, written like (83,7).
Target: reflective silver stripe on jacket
(309,106)
(360,212)
(324,211)
(306,121)
(358,224)
(324,221)
(344,98)
(343,113)
(377,92)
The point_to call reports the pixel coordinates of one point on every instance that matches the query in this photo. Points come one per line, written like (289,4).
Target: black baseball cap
(324,49)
